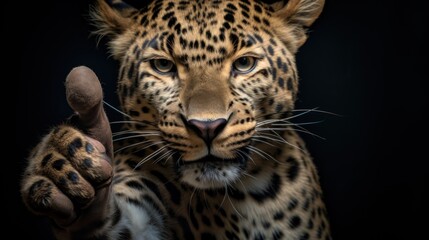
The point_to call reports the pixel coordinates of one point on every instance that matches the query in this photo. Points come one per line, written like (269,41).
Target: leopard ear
(112,19)
(293,17)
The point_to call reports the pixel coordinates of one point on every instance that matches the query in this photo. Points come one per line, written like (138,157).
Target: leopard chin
(211,172)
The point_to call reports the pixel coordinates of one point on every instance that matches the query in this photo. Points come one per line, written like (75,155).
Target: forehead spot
(232,34)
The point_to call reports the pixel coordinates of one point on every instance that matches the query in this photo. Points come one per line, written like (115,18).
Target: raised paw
(64,174)
(69,173)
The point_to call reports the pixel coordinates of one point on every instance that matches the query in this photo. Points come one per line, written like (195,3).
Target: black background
(365,60)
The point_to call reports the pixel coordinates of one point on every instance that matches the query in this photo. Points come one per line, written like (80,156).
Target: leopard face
(204,75)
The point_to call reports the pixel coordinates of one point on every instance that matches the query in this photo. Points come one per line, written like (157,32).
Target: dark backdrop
(364,60)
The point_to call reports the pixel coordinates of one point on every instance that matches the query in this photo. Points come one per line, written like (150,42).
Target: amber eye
(162,65)
(244,64)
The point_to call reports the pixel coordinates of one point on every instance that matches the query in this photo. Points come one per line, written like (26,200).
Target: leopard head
(203,74)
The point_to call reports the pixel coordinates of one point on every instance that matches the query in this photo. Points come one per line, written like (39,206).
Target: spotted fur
(200,156)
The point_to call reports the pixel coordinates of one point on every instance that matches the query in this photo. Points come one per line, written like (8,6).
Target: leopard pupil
(243,61)
(164,63)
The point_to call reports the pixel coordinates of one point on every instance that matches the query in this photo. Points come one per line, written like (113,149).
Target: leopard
(207,148)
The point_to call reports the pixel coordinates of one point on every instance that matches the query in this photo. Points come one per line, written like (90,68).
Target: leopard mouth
(211,172)
(211,159)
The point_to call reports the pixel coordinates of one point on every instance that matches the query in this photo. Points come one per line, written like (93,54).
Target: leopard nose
(207,130)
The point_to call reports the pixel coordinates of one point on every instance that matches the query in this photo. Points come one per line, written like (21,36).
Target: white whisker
(134,132)
(224,197)
(246,155)
(190,201)
(242,184)
(287,123)
(117,110)
(290,129)
(262,141)
(273,129)
(269,134)
(301,112)
(258,154)
(262,153)
(169,152)
(232,204)
(245,173)
(136,136)
(288,143)
(316,110)
(153,154)
(134,122)
(303,130)
(179,159)
(256,136)
(132,145)
(168,157)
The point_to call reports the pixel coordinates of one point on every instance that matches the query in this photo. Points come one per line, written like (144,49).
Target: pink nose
(207,130)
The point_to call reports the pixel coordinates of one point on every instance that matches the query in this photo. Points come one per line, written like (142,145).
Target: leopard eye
(244,64)
(162,65)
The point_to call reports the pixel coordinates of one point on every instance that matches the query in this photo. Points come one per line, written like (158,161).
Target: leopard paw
(64,174)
